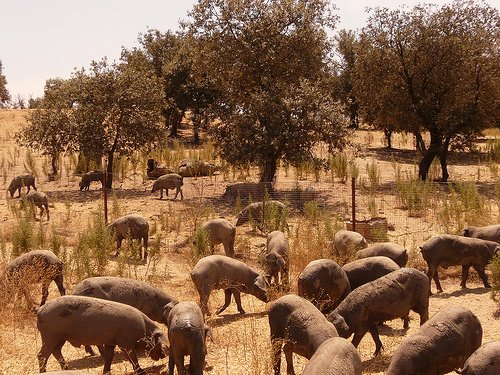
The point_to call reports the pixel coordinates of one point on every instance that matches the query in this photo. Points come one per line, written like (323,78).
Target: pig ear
(166,310)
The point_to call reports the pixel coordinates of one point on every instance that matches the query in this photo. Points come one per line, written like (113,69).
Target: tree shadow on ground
(461,292)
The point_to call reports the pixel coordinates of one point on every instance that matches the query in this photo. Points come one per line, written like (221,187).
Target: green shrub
(339,167)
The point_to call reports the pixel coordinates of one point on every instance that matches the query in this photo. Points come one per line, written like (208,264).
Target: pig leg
(45,291)
(227,300)
(109,352)
(44,354)
(171,362)
(406,321)
(276,344)
(132,357)
(482,275)
(358,335)
(59,282)
(178,359)
(465,275)
(204,292)
(237,299)
(289,359)
(89,350)
(376,338)
(58,355)
(432,274)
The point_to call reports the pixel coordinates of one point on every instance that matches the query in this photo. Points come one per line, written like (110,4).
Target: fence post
(264,191)
(353,191)
(104,187)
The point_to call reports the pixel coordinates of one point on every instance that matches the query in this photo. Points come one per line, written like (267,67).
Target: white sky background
(42,39)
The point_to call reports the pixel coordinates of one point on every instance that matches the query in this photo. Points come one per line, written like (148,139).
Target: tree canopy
(433,69)
(4,93)
(270,61)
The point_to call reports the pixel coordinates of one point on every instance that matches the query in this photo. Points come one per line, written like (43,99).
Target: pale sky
(43,39)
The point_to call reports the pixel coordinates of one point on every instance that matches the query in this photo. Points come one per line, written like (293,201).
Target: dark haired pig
(489,233)
(34,267)
(448,250)
(187,333)
(276,260)
(439,346)
(484,361)
(254,211)
(388,297)
(169,181)
(40,200)
(18,182)
(153,302)
(88,177)
(386,249)
(335,356)
(297,326)
(92,321)
(222,232)
(221,272)
(364,270)
(245,190)
(134,225)
(324,283)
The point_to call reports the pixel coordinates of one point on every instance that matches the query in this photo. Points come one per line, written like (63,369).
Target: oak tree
(270,61)
(431,69)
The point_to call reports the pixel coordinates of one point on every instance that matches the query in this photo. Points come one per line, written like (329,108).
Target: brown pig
(92,321)
(234,276)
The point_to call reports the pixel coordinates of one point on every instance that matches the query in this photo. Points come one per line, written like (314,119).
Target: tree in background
(270,61)
(346,40)
(4,93)
(116,109)
(431,69)
(173,65)
(49,126)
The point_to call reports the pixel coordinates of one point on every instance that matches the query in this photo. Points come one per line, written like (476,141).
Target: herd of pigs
(333,302)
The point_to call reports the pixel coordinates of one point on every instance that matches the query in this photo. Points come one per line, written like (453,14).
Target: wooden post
(105,188)
(353,193)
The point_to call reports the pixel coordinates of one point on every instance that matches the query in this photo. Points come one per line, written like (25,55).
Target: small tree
(4,93)
(117,109)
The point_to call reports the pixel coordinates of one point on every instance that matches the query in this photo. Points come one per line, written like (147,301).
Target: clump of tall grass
(24,238)
(412,193)
(494,267)
(463,206)
(94,247)
(311,237)
(339,167)
(201,245)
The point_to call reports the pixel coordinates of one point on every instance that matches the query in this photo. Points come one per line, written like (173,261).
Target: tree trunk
(196,127)
(435,149)
(176,123)
(388,137)
(269,171)
(419,141)
(54,160)
(109,170)
(442,159)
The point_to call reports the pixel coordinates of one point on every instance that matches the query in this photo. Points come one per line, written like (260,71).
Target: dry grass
(241,343)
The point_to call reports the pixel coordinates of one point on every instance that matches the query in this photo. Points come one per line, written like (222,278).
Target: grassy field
(241,342)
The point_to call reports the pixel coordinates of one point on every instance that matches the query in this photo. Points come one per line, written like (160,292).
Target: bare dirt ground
(241,342)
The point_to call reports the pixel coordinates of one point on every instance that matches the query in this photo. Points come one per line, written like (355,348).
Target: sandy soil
(241,342)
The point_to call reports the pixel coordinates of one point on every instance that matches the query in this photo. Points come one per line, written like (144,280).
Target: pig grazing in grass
(489,233)
(34,267)
(484,361)
(324,283)
(135,226)
(222,232)
(388,297)
(276,260)
(234,276)
(88,177)
(347,241)
(92,321)
(440,346)
(169,181)
(187,333)
(297,326)
(335,356)
(448,250)
(18,182)
(41,201)
(387,249)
